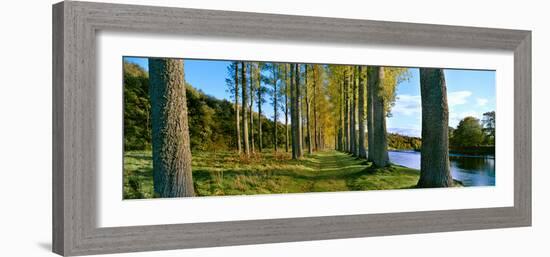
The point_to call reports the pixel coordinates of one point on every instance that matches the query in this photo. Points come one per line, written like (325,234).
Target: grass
(225,173)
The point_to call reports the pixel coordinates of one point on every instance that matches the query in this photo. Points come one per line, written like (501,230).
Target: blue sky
(469,93)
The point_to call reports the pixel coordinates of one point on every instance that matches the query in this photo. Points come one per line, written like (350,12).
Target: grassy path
(225,173)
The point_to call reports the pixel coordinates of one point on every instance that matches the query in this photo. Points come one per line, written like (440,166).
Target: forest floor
(225,173)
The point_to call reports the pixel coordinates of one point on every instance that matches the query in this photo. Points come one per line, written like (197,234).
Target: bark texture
(380,142)
(172,176)
(434,160)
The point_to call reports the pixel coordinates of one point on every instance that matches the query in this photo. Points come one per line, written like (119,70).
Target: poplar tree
(172,176)
(434,156)
(244,109)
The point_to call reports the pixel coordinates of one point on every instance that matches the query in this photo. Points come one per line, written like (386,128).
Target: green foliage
(224,173)
(211,121)
(468,133)
(489,127)
(137,125)
(393,76)
(401,142)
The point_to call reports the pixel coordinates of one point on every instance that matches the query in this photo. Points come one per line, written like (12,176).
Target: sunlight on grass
(225,173)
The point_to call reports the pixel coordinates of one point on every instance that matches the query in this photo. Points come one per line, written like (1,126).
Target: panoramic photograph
(197,128)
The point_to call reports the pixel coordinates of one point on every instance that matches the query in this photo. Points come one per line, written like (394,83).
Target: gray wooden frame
(75,25)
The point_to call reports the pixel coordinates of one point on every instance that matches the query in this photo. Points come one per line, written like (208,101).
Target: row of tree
(295,91)
(362,98)
(353,96)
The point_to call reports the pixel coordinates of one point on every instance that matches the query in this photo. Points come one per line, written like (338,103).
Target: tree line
(340,105)
(298,97)
(360,99)
(211,120)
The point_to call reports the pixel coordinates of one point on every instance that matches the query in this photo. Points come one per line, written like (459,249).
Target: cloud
(407,105)
(458,97)
(410,104)
(481,101)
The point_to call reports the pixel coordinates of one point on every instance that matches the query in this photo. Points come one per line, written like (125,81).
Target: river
(470,170)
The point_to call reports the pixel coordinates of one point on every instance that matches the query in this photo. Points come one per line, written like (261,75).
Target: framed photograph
(184,128)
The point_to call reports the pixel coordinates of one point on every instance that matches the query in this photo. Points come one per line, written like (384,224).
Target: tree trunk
(287,91)
(172,176)
(336,135)
(251,109)
(361,117)
(244,109)
(356,110)
(341,123)
(308,123)
(380,142)
(347,116)
(298,114)
(237,111)
(434,160)
(315,81)
(258,77)
(275,109)
(370,113)
(353,111)
(293,122)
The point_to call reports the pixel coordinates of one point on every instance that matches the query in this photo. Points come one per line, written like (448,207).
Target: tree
(370,120)
(361,113)
(489,127)
(316,81)
(468,133)
(244,109)
(252,95)
(233,86)
(172,175)
(434,158)
(341,132)
(287,105)
(308,123)
(260,91)
(298,99)
(273,80)
(353,112)
(347,115)
(137,108)
(295,112)
(380,145)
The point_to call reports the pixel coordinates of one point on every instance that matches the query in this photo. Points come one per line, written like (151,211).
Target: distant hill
(401,142)
(211,120)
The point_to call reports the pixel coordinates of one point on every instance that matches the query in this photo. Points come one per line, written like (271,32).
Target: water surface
(470,170)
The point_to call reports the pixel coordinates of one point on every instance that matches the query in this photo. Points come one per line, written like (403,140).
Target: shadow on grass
(226,173)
